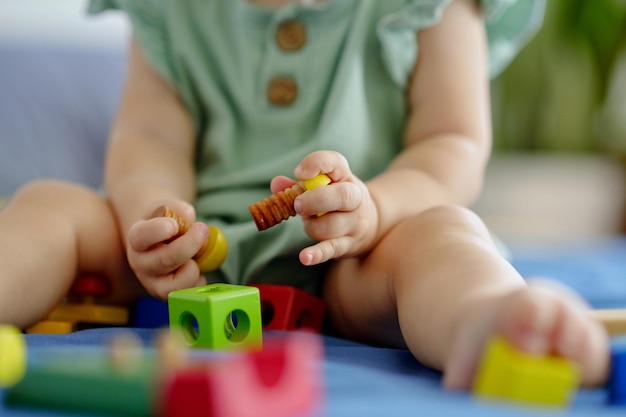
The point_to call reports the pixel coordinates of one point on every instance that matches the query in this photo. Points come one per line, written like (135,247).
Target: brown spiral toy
(278,207)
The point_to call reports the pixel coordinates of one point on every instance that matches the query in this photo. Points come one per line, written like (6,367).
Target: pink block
(283,379)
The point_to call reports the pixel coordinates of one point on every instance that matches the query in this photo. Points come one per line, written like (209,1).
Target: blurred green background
(566,91)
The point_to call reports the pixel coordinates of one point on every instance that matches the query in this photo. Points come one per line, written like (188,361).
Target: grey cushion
(56,107)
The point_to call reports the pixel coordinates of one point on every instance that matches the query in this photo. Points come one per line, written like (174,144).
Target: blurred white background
(60,22)
(553,197)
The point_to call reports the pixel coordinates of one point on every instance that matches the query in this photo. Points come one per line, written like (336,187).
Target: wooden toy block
(87,380)
(283,379)
(79,309)
(90,313)
(613,320)
(217,316)
(288,308)
(508,374)
(188,393)
(126,379)
(13,356)
(617,378)
(151,313)
(69,317)
(53,327)
(87,287)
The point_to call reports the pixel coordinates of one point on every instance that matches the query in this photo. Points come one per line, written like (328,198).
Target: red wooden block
(288,308)
(188,393)
(90,286)
(283,379)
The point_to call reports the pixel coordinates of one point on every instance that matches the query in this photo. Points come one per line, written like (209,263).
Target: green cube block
(217,316)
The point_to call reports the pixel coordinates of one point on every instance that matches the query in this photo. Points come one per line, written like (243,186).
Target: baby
(389,99)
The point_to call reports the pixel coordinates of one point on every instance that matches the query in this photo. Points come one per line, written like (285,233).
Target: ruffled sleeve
(147,18)
(509,25)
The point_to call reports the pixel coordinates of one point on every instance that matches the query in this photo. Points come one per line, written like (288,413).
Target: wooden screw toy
(278,207)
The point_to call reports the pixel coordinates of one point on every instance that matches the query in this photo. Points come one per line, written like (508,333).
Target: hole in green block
(209,288)
(236,326)
(190,327)
(267,312)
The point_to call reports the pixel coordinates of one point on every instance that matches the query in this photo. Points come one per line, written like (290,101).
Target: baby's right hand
(161,256)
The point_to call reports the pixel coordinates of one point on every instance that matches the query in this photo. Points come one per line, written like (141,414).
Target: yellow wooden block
(13,356)
(506,373)
(90,313)
(52,327)
(317,181)
(217,248)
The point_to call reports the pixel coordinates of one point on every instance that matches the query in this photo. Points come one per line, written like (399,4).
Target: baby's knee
(439,226)
(448,217)
(49,194)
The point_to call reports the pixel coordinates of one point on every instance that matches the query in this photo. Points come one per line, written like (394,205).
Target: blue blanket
(362,380)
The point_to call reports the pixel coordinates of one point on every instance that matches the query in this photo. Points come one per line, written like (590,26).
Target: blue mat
(363,381)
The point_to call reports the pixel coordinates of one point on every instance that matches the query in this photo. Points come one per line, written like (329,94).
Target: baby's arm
(448,136)
(447,144)
(150,162)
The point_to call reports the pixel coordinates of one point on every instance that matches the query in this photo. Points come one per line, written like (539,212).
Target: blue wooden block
(151,313)
(617,379)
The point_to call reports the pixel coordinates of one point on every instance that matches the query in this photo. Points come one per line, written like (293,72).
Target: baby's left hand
(349,224)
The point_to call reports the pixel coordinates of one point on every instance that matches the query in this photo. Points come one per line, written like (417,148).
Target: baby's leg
(437,284)
(51,231)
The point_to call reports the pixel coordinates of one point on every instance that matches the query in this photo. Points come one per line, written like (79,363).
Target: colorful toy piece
(506,373)
(281,380)
(12,356)
(53,327)
(130,380)
(217,316)
(81,310)
(613,320)
(212,254)
(278,207)
(288,308)
(150,313)
(617,379)
(90,313)
(88,380)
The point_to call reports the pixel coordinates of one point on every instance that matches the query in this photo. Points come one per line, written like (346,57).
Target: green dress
(267,86)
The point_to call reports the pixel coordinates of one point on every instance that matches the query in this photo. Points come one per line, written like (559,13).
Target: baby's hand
(349,224)
(161,256)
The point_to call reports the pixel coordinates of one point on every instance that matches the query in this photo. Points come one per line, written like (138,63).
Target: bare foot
(540,318)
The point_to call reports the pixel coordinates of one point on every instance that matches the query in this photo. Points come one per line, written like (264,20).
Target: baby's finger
(145,234)
(187,276)
(166,258)
(326,250)
(280,183)
(331,163)
(329,226)
(343,196)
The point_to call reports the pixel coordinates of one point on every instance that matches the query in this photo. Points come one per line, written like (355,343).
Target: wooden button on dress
(291,35)
(282,91)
